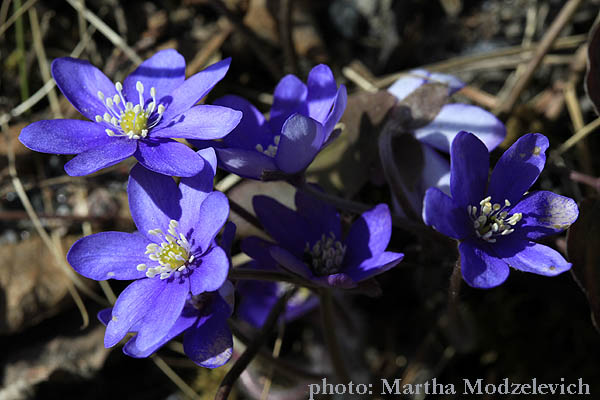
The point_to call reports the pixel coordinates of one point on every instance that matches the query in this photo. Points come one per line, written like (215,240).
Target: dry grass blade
(13,18)
(176,379)
(586,130)
(107,31)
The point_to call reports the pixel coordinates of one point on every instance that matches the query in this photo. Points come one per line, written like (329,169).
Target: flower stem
(454,290)
(254,347)
(245,214)
(270,276)
(329,329)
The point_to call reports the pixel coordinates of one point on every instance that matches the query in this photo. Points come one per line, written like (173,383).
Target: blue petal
(518,168)
(132,305)
(259,250)
(164,71)
(251,130)
(301,140)
(531,257)
(209,342)
(441,212)
(256,298)
(374,266)
(369,235)
(63,136)
(169,157)
(168,304)
(211,272)
(544,213)
(290,262)
(453,118)
(153,200)
(322,91)
(80,82)
(324,217)
(339,106)
(469,165)
(245,163)
(211,217)
(109,255)
(194,89)
(480,268)
(105,315)
(286,226)
(202,122)
(289,98)
(97,158)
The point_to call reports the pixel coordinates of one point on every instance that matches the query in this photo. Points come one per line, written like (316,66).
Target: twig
(176,379)
(254,347)
(245,214)
(16,15)
(210,47)
(507,104)
(586,130)
(20,39)
(329,330)
(107,31)
(276,350)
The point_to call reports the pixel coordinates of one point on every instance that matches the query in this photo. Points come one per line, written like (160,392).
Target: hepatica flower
(309,242)
(437,135)
(497,223)
(137,117)
(207,339)
(172,256)
(301,123)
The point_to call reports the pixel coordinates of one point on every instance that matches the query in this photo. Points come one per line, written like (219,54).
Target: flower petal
(211,273)
(109,255)
(164,71)
(339,106)
(324,217)
(441,212)
(453,118)
(479,268)
(340,280)
(202,122)
(251,130)
(322,92)
(369,235)
(195,189)
(194,89)
(469,165)
(286,226)
(374,266)
(245,163)
(301,140)
(518,168)
(289,98)
(211,217)
(169,157)
(544,213)
(97,158)
(80,82)
(132,305)
(63,136)
(259,250)
(531,257)
(187,318)
(168,304)
(209,343)
(153,200)
(290,262)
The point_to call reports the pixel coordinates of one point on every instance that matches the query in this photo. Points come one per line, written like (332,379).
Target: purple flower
(437,135)
(172,255)
(207,339)
(257,298)
(309,242)
(301,123)
(136,118)
(497,223)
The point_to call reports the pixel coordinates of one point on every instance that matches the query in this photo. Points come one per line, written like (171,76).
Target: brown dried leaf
(592,78)
(583,248)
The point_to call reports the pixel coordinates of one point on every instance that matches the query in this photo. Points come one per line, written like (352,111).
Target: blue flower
(309,242)
(301,123)
(136,118)
(172,255)
(497,223)
(207,339)
(437,135)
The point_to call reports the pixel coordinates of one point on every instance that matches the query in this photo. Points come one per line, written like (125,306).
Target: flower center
(173,254)
(491,220)
(271,150)
(128,120)
(325,256)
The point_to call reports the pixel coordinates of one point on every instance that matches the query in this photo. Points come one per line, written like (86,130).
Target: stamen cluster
(130,121)
(326,255)
(271,150)
(490,220)
(173,254)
